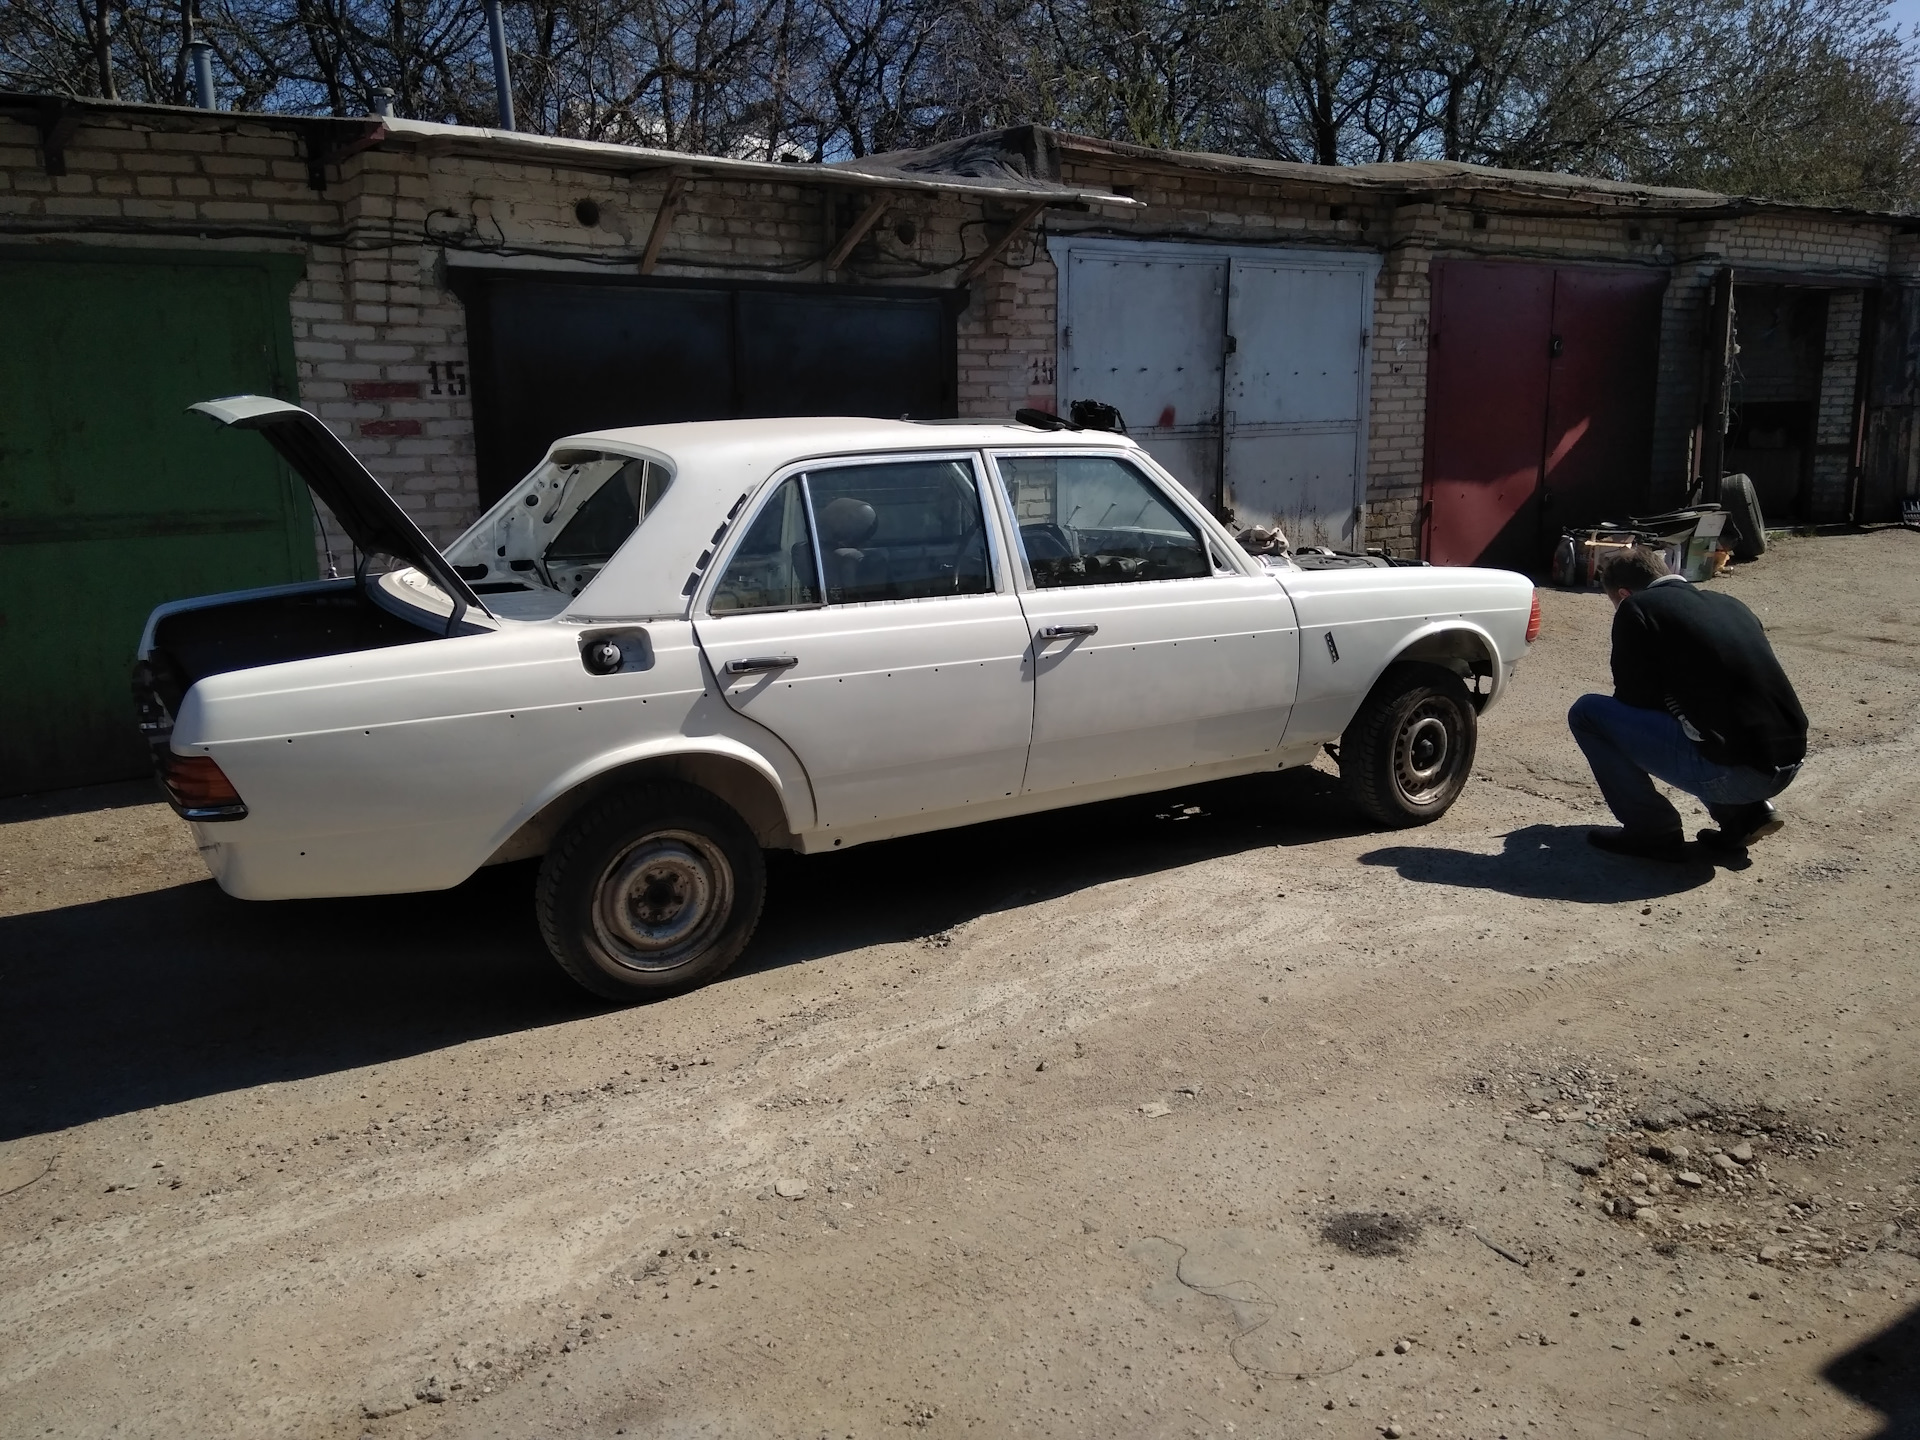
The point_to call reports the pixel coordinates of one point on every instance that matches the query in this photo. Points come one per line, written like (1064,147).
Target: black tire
(651,890)
(1406,755)
(1742,504)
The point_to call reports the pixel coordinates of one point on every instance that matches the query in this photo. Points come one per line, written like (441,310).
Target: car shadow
(907,889)
(150,999)
(1883,1373)
(1548,862)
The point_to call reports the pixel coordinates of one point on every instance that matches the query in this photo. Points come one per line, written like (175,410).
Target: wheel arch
(1459,646)
(734,775)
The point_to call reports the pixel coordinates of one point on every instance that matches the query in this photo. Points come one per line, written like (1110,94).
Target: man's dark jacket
(1703,657)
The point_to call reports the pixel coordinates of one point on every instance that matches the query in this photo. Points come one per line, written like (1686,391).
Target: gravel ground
(1209,1113)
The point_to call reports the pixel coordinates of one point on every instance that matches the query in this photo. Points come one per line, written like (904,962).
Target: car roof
(718,464)
(801,437)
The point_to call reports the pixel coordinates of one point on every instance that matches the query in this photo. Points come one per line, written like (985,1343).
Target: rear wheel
(1406,756)
(651,890)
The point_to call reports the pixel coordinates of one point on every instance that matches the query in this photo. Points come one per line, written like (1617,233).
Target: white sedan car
(671,647)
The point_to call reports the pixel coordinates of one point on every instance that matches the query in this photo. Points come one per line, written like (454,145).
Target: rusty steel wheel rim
(662,900)
(1425,750)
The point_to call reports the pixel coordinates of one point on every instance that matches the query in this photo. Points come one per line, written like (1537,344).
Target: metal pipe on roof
(502,85)
(200,66)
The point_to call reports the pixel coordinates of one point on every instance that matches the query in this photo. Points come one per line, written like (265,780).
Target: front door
(862,619)
(1150,653)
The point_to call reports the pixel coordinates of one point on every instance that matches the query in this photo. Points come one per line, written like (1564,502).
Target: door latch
(1553,349)
(759,664)
(1066,632)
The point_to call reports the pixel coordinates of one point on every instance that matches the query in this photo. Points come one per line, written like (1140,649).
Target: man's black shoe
(1743,828)
(1670,846)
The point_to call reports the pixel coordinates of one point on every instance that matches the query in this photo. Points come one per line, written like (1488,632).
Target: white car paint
(409,766)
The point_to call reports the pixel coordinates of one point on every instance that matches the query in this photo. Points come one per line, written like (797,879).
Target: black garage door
(552,356)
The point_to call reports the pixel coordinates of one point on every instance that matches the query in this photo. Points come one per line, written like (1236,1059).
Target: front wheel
(1406,756)
(651,890)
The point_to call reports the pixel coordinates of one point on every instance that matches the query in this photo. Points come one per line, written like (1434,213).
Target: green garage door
(112,499)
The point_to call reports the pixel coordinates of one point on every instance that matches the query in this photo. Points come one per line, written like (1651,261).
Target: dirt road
(1212,1113)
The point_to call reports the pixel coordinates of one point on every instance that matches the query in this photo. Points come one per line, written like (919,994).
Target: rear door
(1150,653)
(865,618)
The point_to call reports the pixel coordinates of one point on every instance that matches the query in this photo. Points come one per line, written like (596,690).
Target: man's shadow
(1883,1372)
(1548,862)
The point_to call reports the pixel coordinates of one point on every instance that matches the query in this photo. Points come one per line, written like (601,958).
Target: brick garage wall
(380,339)
(1468,225)
(381,343)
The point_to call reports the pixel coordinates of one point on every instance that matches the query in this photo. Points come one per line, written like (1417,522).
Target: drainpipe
(502,87)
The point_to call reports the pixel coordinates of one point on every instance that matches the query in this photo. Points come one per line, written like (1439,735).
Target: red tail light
(1533,619)
(198,788)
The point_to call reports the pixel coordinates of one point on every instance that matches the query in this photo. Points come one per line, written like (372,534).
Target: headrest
(847,522)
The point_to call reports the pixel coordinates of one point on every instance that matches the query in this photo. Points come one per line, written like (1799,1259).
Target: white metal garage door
(1242,370)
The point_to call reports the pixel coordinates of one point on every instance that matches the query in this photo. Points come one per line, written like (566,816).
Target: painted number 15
(446,377)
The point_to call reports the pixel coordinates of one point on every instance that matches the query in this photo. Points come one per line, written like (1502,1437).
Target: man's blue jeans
(1627,747)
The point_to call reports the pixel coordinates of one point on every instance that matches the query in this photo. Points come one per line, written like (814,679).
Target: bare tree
(1806,99)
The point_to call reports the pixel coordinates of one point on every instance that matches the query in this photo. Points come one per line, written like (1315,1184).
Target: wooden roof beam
(662,223)
(994,249)
(856,232)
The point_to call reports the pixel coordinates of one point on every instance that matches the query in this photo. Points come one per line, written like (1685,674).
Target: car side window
(1096,520)
(900,530)
(773,567)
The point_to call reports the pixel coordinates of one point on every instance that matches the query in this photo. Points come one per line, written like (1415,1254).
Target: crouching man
(1698,701)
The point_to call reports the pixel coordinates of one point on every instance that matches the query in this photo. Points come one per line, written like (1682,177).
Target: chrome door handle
(1064,632)
(757,664)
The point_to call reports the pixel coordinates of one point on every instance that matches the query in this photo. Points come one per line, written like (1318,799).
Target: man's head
(1628,571)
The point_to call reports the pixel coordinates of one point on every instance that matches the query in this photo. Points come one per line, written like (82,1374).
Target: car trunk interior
(266,630)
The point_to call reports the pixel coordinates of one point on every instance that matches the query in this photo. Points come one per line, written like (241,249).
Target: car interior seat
(853,571)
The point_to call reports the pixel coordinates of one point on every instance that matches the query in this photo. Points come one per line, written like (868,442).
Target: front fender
(1457,638)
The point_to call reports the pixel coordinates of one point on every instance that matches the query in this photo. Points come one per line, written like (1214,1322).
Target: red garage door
(1540,389)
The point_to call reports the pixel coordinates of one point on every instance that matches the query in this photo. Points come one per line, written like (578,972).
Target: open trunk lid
(372,519)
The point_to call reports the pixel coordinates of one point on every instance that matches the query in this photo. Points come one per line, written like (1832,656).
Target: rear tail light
(198,788)
(1533,619)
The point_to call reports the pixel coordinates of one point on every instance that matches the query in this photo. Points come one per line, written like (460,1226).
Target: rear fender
(775,807)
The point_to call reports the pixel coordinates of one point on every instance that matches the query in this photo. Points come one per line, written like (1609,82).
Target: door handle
(1063,632)
(758,664)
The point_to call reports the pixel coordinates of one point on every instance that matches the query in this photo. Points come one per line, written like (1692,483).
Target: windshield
(555,529)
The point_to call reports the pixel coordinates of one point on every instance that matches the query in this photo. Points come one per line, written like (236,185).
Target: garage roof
(330,139)
(1032,154)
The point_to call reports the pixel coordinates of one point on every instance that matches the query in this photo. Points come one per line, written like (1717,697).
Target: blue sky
(1905,13)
